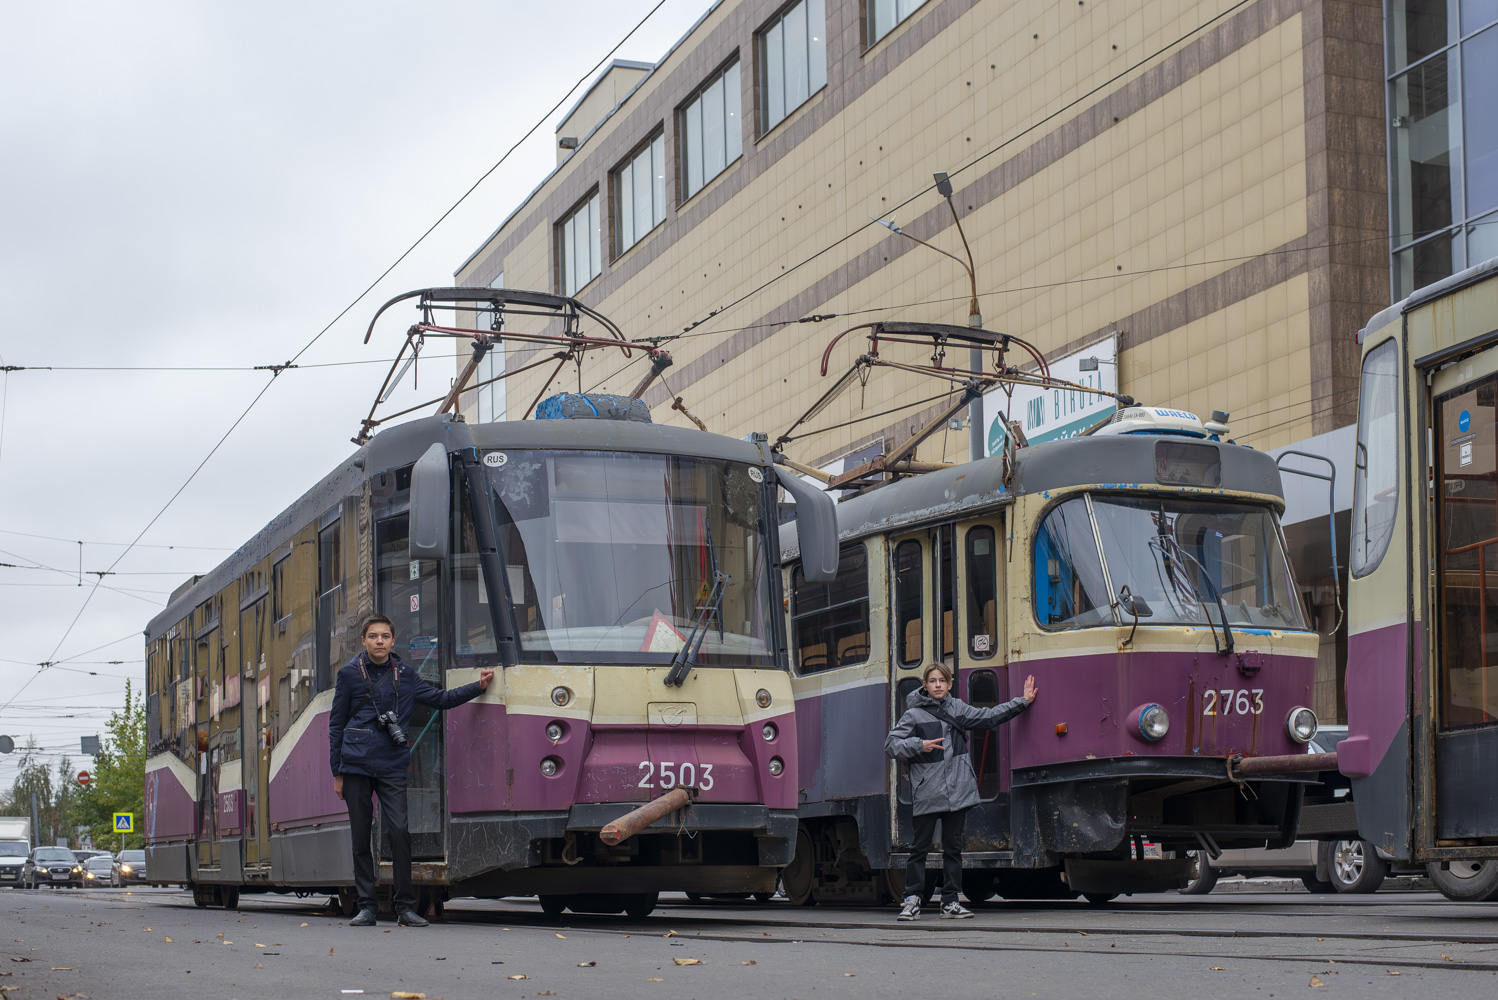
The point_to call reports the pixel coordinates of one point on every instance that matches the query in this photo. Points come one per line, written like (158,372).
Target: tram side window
(908,603)
(982,592)
(945,583)
(983,744)
(1069,587)
(472,625)
(1375,483)
(831,620)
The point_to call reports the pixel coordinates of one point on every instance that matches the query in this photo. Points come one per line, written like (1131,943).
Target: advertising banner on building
(1052,414)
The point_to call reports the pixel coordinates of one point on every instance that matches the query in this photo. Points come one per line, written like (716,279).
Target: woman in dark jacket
(942,783)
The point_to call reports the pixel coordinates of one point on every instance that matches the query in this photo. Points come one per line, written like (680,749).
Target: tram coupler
(631,823)
(1295,763)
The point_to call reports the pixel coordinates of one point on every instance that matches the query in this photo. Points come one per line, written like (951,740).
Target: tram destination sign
(1053,414)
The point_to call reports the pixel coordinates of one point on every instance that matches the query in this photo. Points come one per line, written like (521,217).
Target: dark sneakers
(365,918)
(410,918)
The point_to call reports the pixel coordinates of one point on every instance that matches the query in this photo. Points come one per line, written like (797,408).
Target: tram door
(254,757)
(909,618)
(208,671)
(407,590)
(1465,608)
(980,653)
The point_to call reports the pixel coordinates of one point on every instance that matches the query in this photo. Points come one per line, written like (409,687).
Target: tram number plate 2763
(1228,701)
(668,774)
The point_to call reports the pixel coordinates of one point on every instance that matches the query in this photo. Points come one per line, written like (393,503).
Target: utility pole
(36,826)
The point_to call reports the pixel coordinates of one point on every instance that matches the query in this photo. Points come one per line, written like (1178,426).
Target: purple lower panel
(478,757)
(231,813)
(1098,697)
(301,792)
(1376,697)
(840,737)
(170,812)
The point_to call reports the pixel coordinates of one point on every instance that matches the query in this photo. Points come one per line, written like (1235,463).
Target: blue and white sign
(1053,414)
(1464,422)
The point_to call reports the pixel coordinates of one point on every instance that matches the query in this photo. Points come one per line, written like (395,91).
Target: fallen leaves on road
(1085,933)
(749,962)
(849,975)
(1393,973)
(228,942)
(167,940)
(148,928)
(653,979)
(1316,981)
(517,976)
(562,936)
(1447,958)
(304,923)
(258,945)
(259,965)
(669,934)
(403,995)
(687,961)
(220,935)
(330,952)
(586,965)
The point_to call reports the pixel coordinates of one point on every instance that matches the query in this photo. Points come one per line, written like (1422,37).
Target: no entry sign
(84,777)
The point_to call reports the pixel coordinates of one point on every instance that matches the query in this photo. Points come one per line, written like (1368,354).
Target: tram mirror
(816,528)
(431,500)
(1134,606)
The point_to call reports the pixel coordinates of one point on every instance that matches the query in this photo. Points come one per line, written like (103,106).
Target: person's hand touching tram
(1030,690)
(485,676)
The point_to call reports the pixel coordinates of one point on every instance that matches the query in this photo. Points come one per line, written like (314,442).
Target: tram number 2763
(673,774)
(1243,701)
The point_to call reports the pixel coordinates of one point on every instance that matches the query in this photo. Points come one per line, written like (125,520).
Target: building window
(640,194)
(831,620)
(491,398)
(711,132)
(278,604)
(885,14)
(793,59)
(578,246)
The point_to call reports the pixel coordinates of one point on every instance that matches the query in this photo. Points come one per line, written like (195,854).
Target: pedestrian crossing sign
(124,822)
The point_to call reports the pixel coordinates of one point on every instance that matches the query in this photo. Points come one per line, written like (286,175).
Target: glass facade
(1441,59)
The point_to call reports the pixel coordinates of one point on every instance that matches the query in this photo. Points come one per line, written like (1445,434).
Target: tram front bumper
(510,841)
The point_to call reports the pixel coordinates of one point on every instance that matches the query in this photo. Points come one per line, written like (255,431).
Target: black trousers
(953,836)
(358,792)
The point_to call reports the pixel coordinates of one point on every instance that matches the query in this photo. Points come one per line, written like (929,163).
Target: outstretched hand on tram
(1030,690)
(485,676)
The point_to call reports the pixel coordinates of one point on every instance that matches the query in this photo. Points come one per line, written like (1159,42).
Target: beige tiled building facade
(1206,181)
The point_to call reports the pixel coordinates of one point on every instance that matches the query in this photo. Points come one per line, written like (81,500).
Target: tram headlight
(554,731)
(1154,722)
(1301,724)
(560,696)
(550,766)
(776,765)
(769,732)
(762,698)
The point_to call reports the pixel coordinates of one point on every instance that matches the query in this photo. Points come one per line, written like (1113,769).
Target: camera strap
(369,687)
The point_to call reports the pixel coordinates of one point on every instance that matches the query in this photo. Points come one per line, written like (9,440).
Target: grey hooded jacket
(942,780)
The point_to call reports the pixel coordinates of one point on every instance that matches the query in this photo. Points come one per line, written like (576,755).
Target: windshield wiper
(1226,646)
(686,656)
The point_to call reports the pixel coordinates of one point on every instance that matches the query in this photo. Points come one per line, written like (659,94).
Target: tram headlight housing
(1154,723)
(762,698)
(550,766)
(560,696)
(1301,724)
(769,732)
(776,766)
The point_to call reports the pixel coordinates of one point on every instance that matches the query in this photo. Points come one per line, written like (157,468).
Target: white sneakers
(911,910)
(955,911)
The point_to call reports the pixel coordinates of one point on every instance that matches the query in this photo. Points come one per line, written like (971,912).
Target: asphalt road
(108,943)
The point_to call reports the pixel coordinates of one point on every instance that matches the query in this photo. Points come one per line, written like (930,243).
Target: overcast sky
(208,185)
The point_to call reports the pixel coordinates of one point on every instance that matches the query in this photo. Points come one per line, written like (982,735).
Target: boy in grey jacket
(942,783)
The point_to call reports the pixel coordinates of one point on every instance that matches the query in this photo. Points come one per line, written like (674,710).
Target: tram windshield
(615,557)
(1176,557)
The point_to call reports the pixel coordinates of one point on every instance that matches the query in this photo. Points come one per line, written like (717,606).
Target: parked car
(54,866)
(1329,858)
(99,871)
(12,861)
(85,854)
(130,867)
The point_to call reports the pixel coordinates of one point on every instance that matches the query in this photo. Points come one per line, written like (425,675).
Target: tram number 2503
(1243,701)
(673,774)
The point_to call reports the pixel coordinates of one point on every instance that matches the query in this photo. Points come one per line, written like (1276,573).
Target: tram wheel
(800,876)
(553,906)
(1466,881)
(639,905)
(1099,898)
(229,896)
(978,885)
(202,895)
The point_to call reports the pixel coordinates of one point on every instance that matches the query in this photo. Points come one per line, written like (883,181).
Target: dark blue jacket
(359,744)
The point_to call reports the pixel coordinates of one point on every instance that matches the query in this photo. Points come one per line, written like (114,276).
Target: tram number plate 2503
(1228,701)
(668,774)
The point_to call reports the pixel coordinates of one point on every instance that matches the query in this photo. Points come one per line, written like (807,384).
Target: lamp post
(976,449)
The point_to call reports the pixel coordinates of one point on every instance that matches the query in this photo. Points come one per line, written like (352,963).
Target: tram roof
(1107,462)
(403,444)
